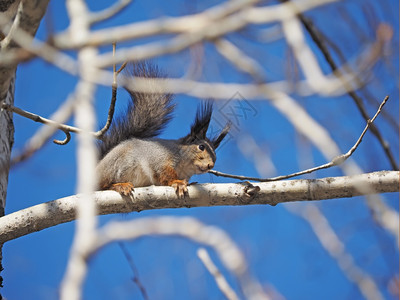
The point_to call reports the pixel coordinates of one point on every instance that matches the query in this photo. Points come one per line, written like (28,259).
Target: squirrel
(131,155)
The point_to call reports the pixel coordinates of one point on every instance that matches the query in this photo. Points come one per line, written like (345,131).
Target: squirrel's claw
(180,187)
(124,188)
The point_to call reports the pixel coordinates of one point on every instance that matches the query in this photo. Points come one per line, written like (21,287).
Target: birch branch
(226,249)
(326,235)
(242,10)
(334,162)
(384,35)
(331,242)
(322,139)
(58,118)
(220,280)
(85,233)
(109,12)
(63,210)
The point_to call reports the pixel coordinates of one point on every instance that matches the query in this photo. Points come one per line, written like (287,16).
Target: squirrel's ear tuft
(202,121)
(218,139)
(199,128)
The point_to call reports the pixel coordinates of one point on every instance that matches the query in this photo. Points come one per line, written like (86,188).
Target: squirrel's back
(146,115)
(138,161)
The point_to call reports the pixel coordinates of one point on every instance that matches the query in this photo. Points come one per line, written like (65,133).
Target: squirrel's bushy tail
(147,114)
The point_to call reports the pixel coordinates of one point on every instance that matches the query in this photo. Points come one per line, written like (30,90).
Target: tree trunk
(31,15)
(6,142)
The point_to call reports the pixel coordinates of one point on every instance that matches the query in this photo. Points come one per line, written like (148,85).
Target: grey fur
(142,161)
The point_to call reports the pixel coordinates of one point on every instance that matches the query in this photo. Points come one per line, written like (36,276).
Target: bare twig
(111,110)
(388,115)
(67,129)
(122,67)
(336,161)
(367,95)
(64,141)
(322,139)
(110,115)
(382,37)
(135,278)
(37,141)
(222,283)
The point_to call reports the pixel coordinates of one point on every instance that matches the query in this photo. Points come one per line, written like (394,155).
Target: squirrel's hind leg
(124,188)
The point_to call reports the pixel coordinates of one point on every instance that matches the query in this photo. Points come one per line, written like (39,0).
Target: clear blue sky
(281,249)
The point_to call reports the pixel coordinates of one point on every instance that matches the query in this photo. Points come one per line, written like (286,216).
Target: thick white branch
(71,285)
(63,210)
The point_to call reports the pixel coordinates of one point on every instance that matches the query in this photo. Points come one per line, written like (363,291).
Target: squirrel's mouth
(202,169)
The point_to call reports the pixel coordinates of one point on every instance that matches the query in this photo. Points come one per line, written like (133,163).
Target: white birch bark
(63,210)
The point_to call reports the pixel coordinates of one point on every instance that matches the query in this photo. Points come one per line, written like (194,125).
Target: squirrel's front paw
(124,188)
(180,187)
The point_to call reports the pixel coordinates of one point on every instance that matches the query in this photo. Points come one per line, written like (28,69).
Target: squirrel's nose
(210,166)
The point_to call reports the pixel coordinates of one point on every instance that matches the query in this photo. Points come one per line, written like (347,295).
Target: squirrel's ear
(217,140)
(202,121)
(199,128)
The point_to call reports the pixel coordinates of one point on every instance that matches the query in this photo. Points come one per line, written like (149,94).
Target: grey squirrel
(131,155)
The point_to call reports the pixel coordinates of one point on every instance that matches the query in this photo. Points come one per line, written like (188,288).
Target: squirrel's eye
(202,147)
